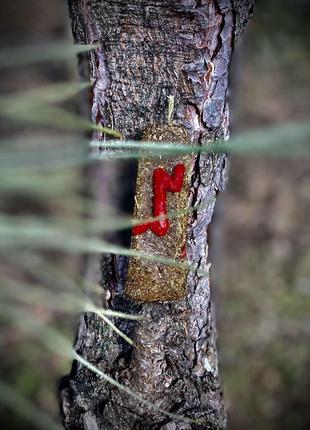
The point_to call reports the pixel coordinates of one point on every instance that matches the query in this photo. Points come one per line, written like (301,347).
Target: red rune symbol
(162,182)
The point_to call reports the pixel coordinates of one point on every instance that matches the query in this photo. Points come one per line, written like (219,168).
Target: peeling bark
(147,51)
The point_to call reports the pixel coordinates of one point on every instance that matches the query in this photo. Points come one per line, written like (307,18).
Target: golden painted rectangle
(148,280)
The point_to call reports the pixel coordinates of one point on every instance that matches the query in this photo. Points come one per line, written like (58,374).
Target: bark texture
(147,51)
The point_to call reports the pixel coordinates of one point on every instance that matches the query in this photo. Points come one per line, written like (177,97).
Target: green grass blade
(95,310)
(287,140)
(58,344)
(65,302)
(35,234)
(44,53)
(284,140)
(34,106)
(40,97)
(30,182)
(46,158)
(290,141)
(58,118)
(128,391)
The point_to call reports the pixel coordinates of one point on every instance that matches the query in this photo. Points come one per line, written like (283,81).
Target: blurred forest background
(262,266)
(259,245)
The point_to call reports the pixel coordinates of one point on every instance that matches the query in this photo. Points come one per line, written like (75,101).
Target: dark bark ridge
(149,50)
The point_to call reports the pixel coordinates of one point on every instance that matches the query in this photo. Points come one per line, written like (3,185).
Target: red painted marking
(162,182)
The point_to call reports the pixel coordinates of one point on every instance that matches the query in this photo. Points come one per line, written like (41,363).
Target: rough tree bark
(148,50)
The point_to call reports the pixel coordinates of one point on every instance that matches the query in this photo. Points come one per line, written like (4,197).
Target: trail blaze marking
(162,183)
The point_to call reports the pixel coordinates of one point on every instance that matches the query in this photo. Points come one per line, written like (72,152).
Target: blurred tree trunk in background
(148,51)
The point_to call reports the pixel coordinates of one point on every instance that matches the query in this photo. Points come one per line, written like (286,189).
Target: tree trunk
(147,51)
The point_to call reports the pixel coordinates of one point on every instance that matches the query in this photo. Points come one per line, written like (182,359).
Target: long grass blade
(287,141)
(65,302)
(71,298)
(128,391)
(58,118)
(278,141)
(39,235)
(34,106)
(95,310)
(40,96)
(58,344)
(44,53)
